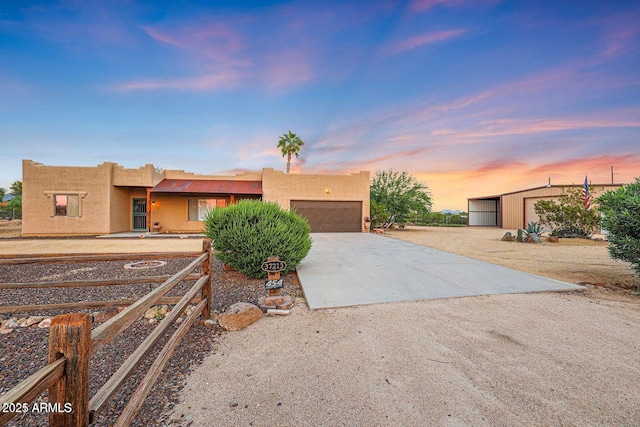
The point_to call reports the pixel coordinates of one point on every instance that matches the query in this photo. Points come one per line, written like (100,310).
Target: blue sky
(472,97)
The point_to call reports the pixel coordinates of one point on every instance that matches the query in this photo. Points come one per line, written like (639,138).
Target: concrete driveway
(347,269)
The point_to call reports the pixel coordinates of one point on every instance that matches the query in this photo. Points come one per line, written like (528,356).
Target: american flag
(586,195)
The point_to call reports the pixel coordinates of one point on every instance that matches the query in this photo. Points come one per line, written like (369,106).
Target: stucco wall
(281,188)
(107,192)
(145,176)
(180,174)
(172,212)
(41,182)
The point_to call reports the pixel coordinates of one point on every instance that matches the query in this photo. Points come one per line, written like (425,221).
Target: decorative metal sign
(273,266)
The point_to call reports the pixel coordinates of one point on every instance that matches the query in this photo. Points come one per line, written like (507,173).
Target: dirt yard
(10,228)
(577,261)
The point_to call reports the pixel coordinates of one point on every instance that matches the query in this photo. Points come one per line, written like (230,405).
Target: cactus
(519,238)
(533,228)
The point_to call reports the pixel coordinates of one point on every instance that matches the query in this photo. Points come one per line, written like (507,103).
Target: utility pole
(612,174)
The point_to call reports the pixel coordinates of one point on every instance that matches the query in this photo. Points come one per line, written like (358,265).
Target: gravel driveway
(509,360)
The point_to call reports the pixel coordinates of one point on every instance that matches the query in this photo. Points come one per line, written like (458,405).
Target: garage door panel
(330,217)
(529,208)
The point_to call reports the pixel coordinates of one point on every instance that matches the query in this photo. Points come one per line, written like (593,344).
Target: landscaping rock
(553,239)
(11,323)
(4,331)
(33,320)
(104,315)
(508,237)
(239,316)
(45,323)
(533,238)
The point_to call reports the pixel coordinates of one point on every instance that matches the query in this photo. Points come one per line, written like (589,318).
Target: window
(198,208)
(67,204)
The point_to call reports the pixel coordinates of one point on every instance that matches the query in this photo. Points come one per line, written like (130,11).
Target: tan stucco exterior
(107,192)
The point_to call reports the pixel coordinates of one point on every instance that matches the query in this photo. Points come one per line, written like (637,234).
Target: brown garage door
(330,217)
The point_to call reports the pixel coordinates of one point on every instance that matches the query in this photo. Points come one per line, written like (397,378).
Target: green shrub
(621,217)
(246,233)
(568,215)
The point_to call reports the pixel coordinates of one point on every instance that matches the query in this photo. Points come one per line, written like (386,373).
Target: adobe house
(516,209)
(108,198)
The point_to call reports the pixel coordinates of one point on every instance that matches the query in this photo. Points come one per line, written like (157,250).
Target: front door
(140,214)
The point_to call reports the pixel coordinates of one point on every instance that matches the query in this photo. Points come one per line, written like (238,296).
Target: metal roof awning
(202,186)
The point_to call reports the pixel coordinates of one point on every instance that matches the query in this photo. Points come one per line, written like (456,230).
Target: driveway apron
(347,269)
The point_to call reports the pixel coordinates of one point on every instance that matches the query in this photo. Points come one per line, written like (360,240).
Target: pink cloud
(422,40)
(423,5)
(278,71)
(201,83)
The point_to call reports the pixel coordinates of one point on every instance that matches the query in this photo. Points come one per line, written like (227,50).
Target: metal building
(516,209)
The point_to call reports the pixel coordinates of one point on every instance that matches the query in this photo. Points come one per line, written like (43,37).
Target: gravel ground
(24,351)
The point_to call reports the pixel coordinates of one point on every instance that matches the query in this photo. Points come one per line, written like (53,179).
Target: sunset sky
(474,97)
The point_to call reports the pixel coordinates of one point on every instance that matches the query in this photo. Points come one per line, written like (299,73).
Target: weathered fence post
(206,270)
(70,337)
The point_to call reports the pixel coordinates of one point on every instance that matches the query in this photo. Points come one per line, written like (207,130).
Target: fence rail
(72,342)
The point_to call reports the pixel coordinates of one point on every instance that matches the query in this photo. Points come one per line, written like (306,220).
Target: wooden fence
(72,341)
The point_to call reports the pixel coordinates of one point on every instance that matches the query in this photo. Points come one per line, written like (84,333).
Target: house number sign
(273,267)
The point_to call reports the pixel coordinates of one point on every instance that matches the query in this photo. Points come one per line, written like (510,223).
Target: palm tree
(290,144)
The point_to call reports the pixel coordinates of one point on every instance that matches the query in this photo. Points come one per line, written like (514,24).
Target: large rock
(45,323)
(533,238)
(239,316)
(508,237)
(553,239)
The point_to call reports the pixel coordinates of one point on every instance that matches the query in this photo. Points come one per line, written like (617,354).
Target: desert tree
(399,195)
(568,216)
(289,145)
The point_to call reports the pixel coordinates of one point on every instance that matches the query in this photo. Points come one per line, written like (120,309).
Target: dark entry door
(139,214)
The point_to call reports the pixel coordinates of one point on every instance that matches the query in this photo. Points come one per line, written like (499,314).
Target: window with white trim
(198,208)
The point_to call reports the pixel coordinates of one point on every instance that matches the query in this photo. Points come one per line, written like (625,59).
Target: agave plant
(533,228)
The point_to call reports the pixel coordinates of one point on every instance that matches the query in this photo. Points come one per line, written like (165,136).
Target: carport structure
(485,211)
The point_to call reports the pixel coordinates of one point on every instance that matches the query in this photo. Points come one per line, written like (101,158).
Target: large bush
(568,216)
(398,196)
(246,233)
(621,217)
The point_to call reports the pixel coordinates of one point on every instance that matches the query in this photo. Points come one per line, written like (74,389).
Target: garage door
(529,209)
(330,217)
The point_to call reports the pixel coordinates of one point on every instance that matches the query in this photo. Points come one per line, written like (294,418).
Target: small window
(198,208)
(67,204)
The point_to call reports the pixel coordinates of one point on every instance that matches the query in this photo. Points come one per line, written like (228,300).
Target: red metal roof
(208,186)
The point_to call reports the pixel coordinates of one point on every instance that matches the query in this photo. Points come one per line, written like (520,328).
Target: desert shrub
(621,217)
(568,215)
(246,233)
(533,228)
(379,214)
